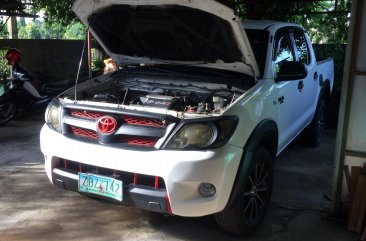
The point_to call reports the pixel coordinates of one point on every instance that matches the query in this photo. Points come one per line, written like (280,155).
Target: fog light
(207,189)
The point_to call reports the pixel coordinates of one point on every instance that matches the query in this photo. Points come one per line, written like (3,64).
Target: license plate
(100,185)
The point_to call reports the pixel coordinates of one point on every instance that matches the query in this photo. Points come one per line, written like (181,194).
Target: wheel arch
(324,88)
(265,134)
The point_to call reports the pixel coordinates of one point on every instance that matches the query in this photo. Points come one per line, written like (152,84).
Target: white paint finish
(85,8)
(361,53)
(356,139)
(182,171)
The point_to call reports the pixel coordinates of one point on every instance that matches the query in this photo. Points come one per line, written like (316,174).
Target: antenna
(82,52)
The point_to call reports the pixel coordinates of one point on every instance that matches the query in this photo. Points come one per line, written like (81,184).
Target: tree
(42,30)
(323,28)
(75,30)
(52,30)
(31,31)
(56,10)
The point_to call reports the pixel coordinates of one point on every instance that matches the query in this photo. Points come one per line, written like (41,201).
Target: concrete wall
(50,60)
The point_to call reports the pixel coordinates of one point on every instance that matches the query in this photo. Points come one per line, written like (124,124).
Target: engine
(182,97)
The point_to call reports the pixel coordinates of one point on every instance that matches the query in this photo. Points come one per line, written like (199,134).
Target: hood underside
(201,32)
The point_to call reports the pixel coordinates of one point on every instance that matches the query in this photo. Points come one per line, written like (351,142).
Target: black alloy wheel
(249,210)
(256,192)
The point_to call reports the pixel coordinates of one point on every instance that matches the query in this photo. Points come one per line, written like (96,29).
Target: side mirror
(291,70)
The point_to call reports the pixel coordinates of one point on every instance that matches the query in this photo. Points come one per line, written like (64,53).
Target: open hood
(189,32)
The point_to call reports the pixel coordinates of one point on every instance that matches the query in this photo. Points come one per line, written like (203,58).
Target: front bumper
(138,196)
(181,172)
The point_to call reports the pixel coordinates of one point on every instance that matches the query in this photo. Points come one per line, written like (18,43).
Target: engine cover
(162,101)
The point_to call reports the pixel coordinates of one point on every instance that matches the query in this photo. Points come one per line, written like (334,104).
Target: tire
(312,134)
(249,210)
(7,112)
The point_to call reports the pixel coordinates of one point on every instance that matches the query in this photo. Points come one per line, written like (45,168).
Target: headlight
(53,116)
(208,134)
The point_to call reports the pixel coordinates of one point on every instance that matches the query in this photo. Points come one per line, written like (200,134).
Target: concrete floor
(32,209)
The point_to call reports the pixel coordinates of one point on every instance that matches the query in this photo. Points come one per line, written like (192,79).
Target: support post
(89,55)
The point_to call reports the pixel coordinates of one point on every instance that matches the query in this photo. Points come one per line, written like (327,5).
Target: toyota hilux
(193,118)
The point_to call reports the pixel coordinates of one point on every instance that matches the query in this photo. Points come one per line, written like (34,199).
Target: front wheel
(7,112)
(250,208)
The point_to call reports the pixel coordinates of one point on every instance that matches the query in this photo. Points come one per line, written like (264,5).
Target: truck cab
(285,55)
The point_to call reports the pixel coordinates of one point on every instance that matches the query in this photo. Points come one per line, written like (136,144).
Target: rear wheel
(7,112)
(311,136)
(251,207)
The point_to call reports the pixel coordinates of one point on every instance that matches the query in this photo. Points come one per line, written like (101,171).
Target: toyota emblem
(107,125)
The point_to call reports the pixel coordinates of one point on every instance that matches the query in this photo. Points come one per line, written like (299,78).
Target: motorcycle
(21,92)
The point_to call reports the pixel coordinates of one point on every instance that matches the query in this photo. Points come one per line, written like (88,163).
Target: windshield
(166,32)
(259,41)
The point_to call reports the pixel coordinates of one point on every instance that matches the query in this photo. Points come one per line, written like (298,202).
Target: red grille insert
(131,120)
(140,141)
(86,114)
(84,132)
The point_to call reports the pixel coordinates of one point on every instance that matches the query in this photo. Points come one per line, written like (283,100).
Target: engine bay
(180,96)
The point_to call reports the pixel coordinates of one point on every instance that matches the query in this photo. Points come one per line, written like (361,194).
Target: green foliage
(75,30)
(31,31)
(52,30)
(97,65)
(4,67)
(323,28)
(21,22)
(56,11)
(328,28)
(42,30)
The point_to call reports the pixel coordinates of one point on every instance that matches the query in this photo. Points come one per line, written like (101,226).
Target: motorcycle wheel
(7,112)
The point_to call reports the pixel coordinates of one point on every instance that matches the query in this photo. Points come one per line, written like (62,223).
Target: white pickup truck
(192,121)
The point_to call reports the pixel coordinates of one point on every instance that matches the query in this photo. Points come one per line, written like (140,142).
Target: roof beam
(14,8)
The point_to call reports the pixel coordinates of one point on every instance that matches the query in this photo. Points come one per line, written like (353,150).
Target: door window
(302,52)
(284,52)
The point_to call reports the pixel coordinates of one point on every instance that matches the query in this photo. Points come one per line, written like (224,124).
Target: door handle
(281,99)
(300,86)
(316,76)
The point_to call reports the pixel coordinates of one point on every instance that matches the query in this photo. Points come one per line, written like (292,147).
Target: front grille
(85,114)
(131,120)
(82,125)
(129,140)
(139,141)
(128,178)
(142,121)
(81,132)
